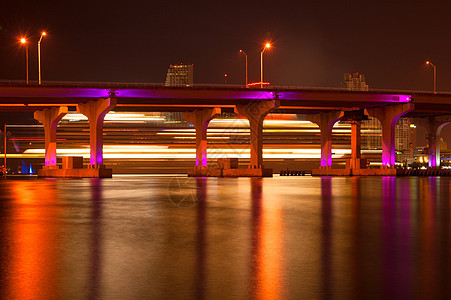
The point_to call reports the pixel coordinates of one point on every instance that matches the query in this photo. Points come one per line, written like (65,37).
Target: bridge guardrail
(98,84)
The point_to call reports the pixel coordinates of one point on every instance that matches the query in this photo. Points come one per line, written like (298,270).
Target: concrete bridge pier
(256,112)
(356,144)
(434,126)
(200,119)
(388,116)
(326,122)
(50,118)
(95,111)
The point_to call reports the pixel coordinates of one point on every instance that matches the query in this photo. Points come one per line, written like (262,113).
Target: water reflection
(326,233)
(33,245)
(266,243)
(201,253)
(96,239)
(310,238)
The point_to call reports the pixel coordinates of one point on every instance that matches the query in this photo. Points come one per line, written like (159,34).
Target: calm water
(178,238)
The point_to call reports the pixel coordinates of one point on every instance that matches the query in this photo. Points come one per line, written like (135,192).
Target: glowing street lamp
(39,54)
(24,42)
(435,75)
(267,46)
(245,55)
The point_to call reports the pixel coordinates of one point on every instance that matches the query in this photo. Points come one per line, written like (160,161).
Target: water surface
(169,237)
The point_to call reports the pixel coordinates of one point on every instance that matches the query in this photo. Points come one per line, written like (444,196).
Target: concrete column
(200,119)
(356,144)
(50,118)
(95,111)
(256,112)
(355,139)
(388,116)
(325,122)
(434,126)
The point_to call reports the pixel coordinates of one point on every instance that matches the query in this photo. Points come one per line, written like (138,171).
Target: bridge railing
(146,85)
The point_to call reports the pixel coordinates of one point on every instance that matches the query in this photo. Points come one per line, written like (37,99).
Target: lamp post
(39,54)
(245,55)
(261,63)
(24,42)
(435,75)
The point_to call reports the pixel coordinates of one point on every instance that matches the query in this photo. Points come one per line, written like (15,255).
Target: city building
(405,132)
(179,75)
(405,140)
(371,129)
(354,82)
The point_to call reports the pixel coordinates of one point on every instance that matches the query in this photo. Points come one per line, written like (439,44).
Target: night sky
(315,42)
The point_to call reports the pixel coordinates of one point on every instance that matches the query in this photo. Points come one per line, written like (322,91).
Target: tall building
(405,140)
(371,128)
(179,75)
(405,132)
(354,82)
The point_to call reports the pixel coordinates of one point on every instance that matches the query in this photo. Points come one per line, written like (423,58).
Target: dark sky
(315,42)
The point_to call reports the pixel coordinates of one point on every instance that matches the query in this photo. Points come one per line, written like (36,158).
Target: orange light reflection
(33,242)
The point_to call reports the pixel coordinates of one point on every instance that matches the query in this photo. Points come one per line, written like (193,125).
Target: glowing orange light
(258,83)
(23,40)
(268,45)
(428,62)
(44,33)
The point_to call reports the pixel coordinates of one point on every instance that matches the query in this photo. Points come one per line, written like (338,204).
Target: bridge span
(200,104)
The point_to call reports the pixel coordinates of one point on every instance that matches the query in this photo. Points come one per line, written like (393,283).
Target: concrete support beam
(434,126)
(95,111)
(356,144)
(200,119)
(356,139)
(50,118)
(388,116)
(326,122)
(256,112)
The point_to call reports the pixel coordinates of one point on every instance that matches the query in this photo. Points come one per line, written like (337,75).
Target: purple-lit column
(256,112)
(200,120)
(50,118)
(434,126)
(95,111)
(325,122)
(388,116)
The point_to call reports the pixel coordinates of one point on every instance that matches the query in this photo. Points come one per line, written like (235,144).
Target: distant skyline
(314,43)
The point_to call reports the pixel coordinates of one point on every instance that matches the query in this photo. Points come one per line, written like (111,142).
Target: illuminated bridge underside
(22,97)
(327,105)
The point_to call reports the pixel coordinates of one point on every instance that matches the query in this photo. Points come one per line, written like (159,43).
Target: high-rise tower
(179,75)
(354,82)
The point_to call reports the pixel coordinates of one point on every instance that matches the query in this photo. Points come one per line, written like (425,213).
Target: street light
(435,75)
(24,42)
(267,46)
(245,55)
(39,54)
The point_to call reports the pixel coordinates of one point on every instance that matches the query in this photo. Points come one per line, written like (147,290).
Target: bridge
(201,103)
